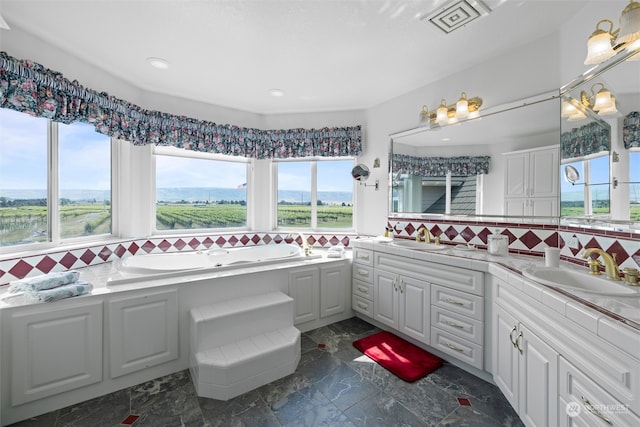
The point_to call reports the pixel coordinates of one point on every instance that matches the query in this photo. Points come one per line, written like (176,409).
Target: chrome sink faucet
(610,265)
(424,231)
(306,247)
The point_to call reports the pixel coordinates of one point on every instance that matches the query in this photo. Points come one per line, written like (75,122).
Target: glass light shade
(577,116)
(603,100)
(606,111)
(629,23)
(568,109)
(474,114)
(424,121)
(634,46)
(442,113)
(462,107)
(599,48)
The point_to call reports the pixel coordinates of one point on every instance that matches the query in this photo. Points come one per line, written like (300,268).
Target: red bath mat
(405,360)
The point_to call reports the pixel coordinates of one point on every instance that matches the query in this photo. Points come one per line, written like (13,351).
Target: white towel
(64,291)
(46,281)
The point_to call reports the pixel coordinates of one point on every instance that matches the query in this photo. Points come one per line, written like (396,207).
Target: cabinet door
(414,316)
(143,331)
(333,289)
(304,288)
(538,379)
(516,175)
(56,350)
(544,206)
(516,207)
(385,301)
(505,356)
(544,168)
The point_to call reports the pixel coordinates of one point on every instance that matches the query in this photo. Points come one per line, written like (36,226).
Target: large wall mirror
(470,168)
(600,145)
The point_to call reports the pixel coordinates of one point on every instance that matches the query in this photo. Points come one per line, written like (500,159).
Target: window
(85,181)
(315,194)
(201,191)
(585,187)
(77,185)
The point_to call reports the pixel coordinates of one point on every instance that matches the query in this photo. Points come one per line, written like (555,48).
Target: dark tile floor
(334,385)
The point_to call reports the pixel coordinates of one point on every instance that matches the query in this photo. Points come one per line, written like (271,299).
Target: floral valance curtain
(591,138)
(439,166)
(631,130)
(30,88)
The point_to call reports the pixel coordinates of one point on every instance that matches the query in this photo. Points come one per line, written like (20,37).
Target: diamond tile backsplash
(13,268)
(528,239)
(525,239)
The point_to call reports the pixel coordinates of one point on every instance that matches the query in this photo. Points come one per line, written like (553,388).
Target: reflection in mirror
(475,153)
(360,172)
(602,142)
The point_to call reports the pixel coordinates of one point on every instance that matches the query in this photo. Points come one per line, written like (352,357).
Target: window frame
(54,240)
(313,228)
(179,152)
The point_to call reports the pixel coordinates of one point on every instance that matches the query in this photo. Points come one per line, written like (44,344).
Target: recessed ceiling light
(159,63)
(276,92)
(445,139)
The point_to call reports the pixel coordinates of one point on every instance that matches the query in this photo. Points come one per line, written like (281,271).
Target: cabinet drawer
(458,302)
(362,272)
(594,404)
(362,305)
(363,256)
(363,289)
(457,347)
(462,279)
(457,324)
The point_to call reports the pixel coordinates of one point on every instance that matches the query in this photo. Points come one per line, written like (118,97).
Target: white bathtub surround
(241,344)
(14,267)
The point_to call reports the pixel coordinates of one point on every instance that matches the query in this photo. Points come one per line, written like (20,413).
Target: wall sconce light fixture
(449,114)
(602,44)
(602,102)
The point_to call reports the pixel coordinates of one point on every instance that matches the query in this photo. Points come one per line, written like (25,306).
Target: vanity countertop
(589,310)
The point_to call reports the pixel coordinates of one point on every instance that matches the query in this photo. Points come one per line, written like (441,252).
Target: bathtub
(171,264)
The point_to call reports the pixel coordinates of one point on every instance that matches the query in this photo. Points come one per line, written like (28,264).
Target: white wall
(529,71)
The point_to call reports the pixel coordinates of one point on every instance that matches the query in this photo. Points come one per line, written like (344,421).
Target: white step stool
(241,344)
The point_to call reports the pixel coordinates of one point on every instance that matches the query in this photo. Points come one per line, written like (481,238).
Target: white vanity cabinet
(546,355)
(583,402)
(362,284)
(402,302)
(525,369)
(531,182)
(56,350)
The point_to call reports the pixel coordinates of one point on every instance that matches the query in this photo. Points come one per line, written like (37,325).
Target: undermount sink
(421,246)
(580,281)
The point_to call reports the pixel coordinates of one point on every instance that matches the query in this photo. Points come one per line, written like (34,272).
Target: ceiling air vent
(457,14)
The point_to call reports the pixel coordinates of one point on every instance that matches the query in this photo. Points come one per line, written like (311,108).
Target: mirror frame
(502,108)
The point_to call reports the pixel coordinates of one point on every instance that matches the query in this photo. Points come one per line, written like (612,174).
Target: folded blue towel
(47,281)
(64,291)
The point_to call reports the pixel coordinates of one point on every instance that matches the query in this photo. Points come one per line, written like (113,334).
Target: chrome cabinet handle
(511,336)
(395,284)
(453,347)
(518,342)
(454,324)
(362,305)
(454,302)
(363,289)
(363,273)
(401,286)
(594,411)
(363,256)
